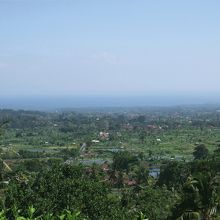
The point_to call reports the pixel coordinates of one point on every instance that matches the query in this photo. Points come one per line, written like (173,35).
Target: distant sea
(47,103)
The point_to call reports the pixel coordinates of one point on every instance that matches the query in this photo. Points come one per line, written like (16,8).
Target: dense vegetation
(155,164)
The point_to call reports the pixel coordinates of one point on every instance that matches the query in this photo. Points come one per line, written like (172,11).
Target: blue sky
(81,47)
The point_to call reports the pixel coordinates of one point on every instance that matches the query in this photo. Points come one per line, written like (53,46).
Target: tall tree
(200,152)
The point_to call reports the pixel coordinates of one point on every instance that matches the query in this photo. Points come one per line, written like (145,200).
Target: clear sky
(109,47)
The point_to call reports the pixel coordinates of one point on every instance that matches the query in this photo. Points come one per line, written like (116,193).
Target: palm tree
(207,188)
(201,197)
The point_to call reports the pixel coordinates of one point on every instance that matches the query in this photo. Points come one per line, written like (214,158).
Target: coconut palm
(208,199)
(201,197)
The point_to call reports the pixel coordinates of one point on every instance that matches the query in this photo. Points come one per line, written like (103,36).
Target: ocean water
(47,103)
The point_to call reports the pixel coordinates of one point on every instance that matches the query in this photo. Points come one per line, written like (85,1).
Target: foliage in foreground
(65,215)
(68,187)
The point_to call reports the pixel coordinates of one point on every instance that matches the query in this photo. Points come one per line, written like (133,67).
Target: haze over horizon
(109,48)
(52,103)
